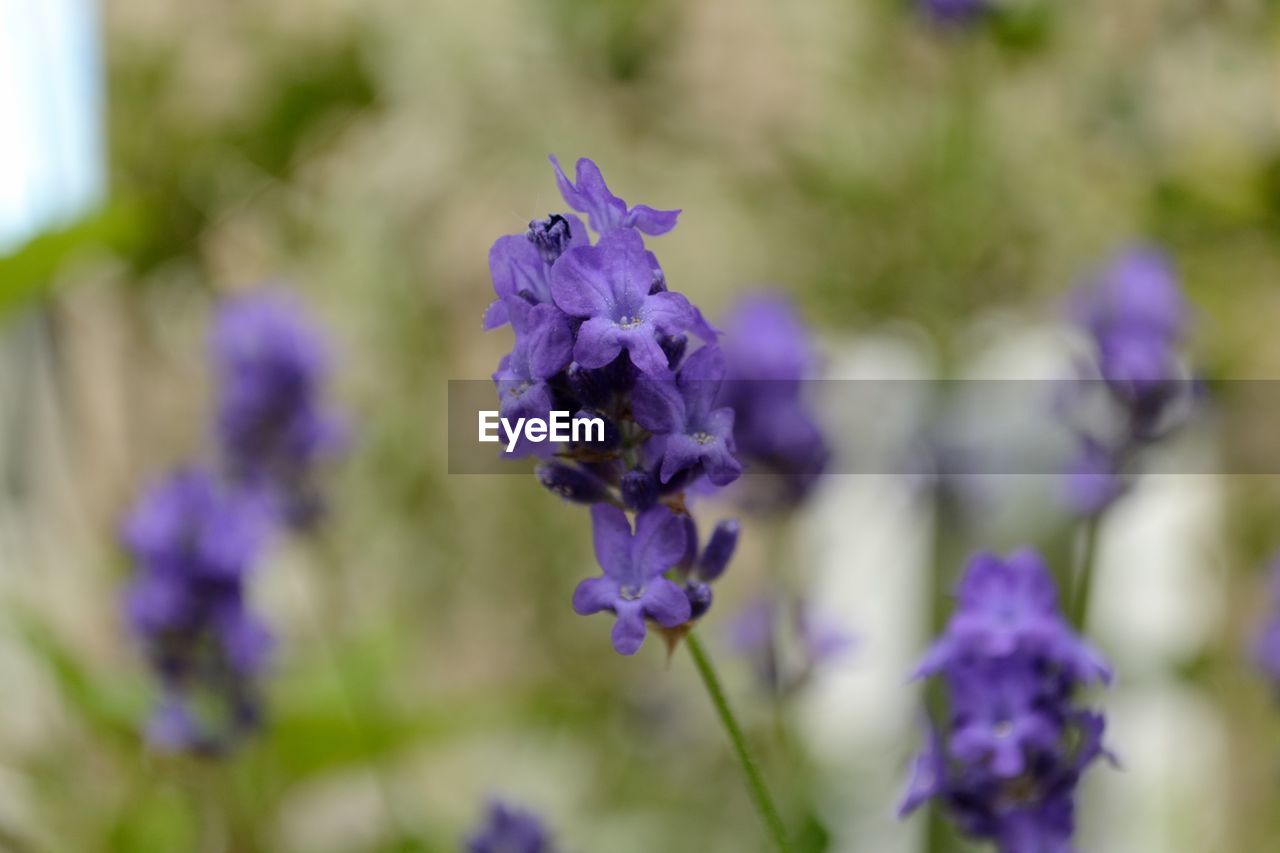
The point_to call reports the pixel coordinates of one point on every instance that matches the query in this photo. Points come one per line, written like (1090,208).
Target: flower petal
(628,630)
(580,282)
(670,312)
(599,342)
(495,316)
(658,406)
(611,534)
(650,221)
(659,541)
(593,595)
(682,452)
(517,268)
(646,354)
(721,466)
(549,340)
(666,603)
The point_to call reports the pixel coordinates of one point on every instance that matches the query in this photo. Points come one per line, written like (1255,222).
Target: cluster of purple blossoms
(194,543)
(509,829)
(1005,763)
(598,333)
(272,427)
(770,360)
(1136,318)
(196,537)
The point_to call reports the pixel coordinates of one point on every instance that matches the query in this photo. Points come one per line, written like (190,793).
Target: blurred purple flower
(1136,318)
(633,587)
(769,357)
(1006,766)
(273,427)
(508,829)
(1008,607)
(605,211)
(193,544)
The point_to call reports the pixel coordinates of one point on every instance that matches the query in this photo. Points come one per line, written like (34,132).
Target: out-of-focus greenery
(881,169)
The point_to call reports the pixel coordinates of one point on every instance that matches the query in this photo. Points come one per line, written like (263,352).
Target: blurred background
(927,194)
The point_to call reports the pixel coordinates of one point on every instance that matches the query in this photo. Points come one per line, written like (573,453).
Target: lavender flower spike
(273,428)
(632,586)
(609,286)
(605,211)
(1005,763)
(193,543)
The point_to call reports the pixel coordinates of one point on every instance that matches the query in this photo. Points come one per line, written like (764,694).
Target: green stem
(755,782)
(1079,610)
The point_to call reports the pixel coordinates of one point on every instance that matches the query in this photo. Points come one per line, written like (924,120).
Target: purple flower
(520,264)
(605,211)
(769,356)
(193,543)
(272,425)
(609,286)
(508,829)
(633,587)
(694,430)
(1005,763)
(998,718)
(1136,318)
(1136,293)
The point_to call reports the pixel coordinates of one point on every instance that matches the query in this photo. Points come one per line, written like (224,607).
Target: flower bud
(719,551)
(572,484)
(639,490)
(700,598)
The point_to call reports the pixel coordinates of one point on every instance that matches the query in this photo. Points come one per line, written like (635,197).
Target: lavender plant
(1136,319)
(196,537)
(1003,758)
(272,428)
(195,542)
(599,333)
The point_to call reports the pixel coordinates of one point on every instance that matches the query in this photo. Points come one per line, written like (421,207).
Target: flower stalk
(760,796)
